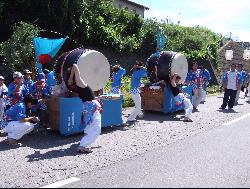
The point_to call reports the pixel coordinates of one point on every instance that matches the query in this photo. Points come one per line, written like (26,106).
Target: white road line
(62,183)
(236,120)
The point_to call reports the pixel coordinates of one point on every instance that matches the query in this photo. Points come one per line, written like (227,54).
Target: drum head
(94,68)
(180,65)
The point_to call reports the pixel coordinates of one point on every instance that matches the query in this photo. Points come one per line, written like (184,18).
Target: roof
(136,4)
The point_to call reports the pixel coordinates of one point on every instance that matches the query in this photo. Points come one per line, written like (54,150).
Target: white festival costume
(16,129)
(93,130)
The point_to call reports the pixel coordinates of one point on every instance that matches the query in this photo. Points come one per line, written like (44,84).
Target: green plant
(18,51)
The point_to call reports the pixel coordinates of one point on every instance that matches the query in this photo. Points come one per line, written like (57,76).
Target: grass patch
(214,90)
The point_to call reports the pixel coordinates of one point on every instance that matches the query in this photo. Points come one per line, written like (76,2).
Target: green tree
(18,51)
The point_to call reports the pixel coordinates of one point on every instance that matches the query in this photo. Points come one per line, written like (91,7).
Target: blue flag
(161,40)
(45,46)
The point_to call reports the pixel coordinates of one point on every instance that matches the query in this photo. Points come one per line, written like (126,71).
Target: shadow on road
(228,111)
(37,156)
(161,117)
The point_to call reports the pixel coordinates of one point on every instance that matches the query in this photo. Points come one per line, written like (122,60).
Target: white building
(131,6)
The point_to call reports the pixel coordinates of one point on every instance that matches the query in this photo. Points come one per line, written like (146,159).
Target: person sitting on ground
(16,121)
(181,98)
(50,78)
(27,81)
(75,81)
(40,92)
(118,73)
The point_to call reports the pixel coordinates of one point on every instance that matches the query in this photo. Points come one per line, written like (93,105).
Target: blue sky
(221,16)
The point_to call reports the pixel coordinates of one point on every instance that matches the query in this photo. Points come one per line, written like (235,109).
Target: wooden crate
(152,100)
(54,113)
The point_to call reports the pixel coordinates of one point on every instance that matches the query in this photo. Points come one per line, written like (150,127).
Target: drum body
(164,64)
(93,65)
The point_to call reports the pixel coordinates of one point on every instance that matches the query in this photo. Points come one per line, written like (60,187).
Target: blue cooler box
(70,112)
(169,102)
(112,110)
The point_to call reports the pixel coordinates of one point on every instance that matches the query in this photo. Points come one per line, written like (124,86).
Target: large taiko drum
(93,65)
(164,64)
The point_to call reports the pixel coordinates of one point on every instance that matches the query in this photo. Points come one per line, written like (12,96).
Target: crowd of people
(23,102)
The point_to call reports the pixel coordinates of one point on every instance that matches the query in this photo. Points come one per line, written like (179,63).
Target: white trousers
(197,97)
(188,107)
(204,95)
(92,131)
(16,130)
(238,95)
(137,111)
(249,92)
(2,107)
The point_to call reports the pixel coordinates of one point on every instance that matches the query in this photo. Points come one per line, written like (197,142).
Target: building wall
(122,4)
(237,56)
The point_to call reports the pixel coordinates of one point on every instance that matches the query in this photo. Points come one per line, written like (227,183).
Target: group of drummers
(23,103)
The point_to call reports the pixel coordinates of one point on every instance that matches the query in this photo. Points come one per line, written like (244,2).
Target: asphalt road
(46,158)
(218,158)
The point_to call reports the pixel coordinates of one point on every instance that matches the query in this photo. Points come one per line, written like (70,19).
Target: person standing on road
(206,78)
(194,78)
(92,123)
(181,98)
(232,81)
(244,76)
(138,72)
(118,73)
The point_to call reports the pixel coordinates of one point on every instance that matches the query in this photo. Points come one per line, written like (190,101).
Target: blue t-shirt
(206,75)
(89,108)
(51,80)
(244,76)
(192,77)
(136,80)
(40,94)
(15,98)
(27,85)
(16,112)
(117,78)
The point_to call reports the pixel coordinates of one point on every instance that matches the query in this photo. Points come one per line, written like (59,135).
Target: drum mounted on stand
(162,65)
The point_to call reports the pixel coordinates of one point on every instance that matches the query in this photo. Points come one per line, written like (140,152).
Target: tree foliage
(97,24)
(18,51)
